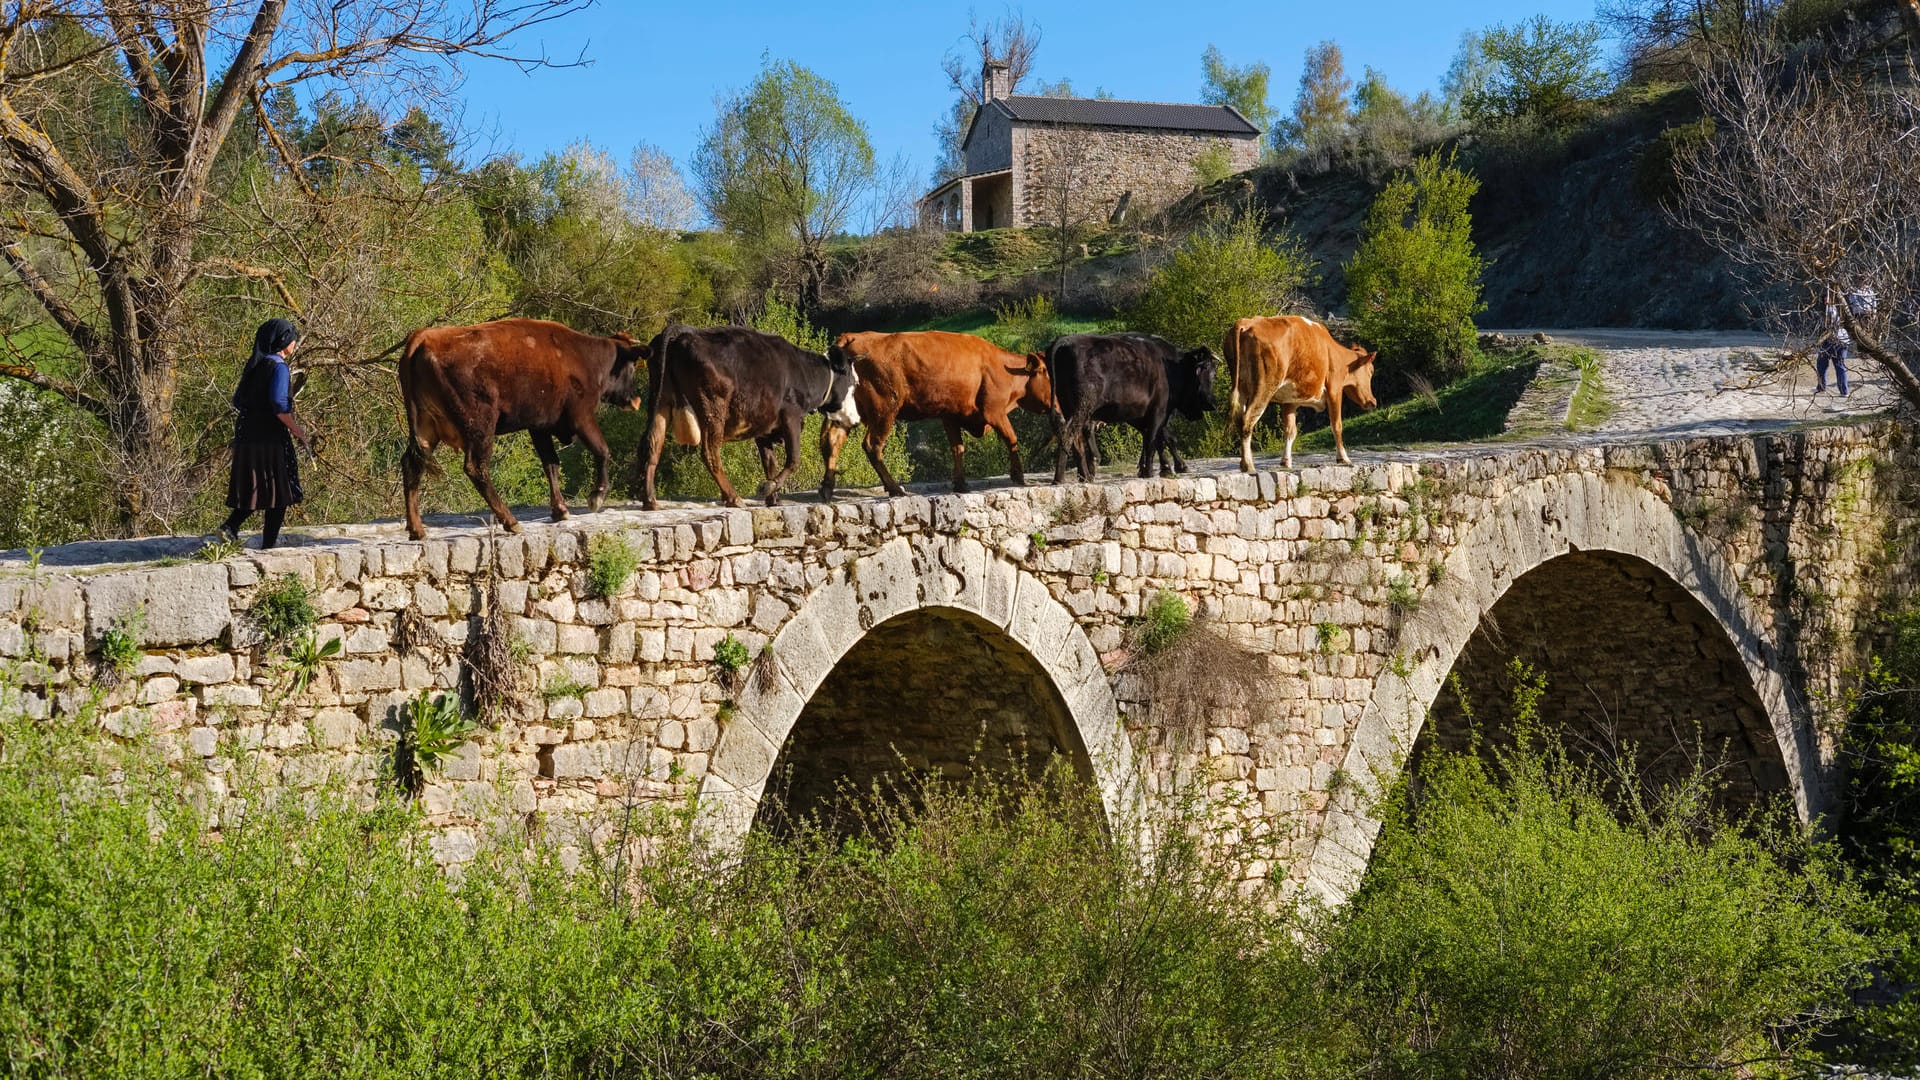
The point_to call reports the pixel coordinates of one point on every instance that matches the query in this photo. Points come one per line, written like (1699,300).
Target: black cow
(1133,379)
(713,385)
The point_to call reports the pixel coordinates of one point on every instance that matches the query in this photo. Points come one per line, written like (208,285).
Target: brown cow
(466,385)
(965,382)
(1292,361)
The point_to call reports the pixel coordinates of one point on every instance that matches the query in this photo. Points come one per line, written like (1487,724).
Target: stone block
(605,702)
(335,727)
(201,670)
(231,696)
(181,605)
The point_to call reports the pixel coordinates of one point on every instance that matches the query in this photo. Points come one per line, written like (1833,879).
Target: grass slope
(1472,409)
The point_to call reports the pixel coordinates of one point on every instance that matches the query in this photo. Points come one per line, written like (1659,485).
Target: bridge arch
(929,583)
(1579,524)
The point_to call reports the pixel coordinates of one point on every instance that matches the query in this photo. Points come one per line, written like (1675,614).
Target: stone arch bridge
(1701,596)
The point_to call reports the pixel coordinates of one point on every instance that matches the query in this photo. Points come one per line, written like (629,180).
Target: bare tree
(1686,31)
(1812,186)
(1064,152)
(1011,40)
(102,227)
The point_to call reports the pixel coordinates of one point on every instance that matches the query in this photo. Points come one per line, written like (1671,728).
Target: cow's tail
(682,424)
(418,459)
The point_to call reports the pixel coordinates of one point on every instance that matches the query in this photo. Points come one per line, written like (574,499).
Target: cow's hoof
(649,505)
(774,499)
(897,491)
(416,534)
(826,495)
(594,506)
(559,515)
(512,527)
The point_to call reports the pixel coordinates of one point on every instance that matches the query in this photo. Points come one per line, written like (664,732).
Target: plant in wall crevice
(432,729)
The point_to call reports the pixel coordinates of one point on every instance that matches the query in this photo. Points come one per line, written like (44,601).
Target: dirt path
(1700,382)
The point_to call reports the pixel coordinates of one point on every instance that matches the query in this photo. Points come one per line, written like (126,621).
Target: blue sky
(657,68)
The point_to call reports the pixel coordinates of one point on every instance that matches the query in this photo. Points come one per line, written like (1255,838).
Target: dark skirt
(265,476)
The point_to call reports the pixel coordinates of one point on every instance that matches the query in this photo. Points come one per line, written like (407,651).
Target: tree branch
(22,368)
(71,324)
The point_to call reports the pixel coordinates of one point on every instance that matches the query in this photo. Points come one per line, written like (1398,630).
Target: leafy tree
(1468,75)
(1320,107)
(1538,70)
(1244,88)
(1413,285)
(657,194)
(116,120)
(784,166)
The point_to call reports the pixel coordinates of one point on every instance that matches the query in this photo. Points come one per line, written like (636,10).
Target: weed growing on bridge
(1165,619)
(120,646)
(1329,638)
(1403,599)
(611,560)
(283,609)
(562,686)
(303,661)
(730,659)
(219,549)
(433,728)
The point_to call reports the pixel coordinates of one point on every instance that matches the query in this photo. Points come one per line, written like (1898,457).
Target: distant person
(266,476)
(1837,347)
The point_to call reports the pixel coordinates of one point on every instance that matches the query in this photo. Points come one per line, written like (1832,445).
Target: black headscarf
(273,336)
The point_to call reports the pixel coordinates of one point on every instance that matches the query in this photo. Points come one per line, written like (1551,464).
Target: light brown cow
(967,383)
(1291,360)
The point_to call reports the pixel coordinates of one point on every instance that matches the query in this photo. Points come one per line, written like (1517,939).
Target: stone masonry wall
(1316,572)
(1155,165)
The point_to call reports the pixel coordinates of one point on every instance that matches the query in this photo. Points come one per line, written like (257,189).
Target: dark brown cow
(466,385)
(965,382)
(712,385)
(1133,379)
(1293,361)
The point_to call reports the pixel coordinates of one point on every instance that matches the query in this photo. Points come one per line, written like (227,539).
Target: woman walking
(266,477)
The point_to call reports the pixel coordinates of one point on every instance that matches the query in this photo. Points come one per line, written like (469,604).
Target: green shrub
(1329,638)
(1413,285)
(1881,829)
(434,727)
(730,656)
(1212,165)
(120,645)
(1517,922)
(1025,326)
(610,562)
(1225,271)
(563,686)
(283,609)
(1163,622)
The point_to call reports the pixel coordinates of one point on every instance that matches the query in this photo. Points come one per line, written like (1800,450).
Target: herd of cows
(464,386)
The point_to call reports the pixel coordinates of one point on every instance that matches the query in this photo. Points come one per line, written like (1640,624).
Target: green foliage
(1403,596)
(1475,407)
(1538,70)
(1881,829)
(611,560)
(219,549)
(1590,406)
(1329,638)
(120,644)
(1243,88)
(562,686)
(304,659)
(1164,622)
(730,656)
(283,609)
(1212,165)
(53,484)
(1025,326)
(1225,271)
(1413,285)
(1515,922)
(784,166)
(432,729)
